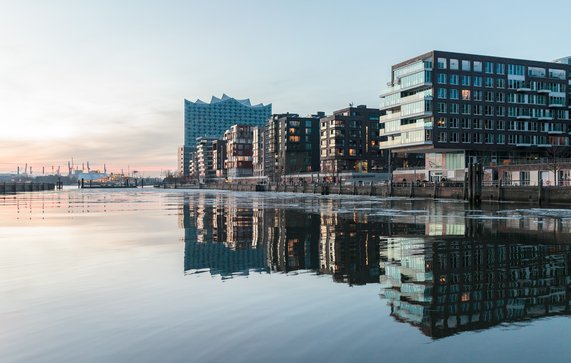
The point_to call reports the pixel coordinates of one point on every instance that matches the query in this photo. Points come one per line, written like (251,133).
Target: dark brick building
(292,145)
(350,141)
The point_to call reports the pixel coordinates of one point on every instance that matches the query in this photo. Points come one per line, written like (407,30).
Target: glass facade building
(212,119)
(477,108)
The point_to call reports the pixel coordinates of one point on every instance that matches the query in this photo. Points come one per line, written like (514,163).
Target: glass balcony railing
(391,117)
(409,82)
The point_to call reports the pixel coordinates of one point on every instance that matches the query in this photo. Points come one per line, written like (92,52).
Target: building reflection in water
(443,275)
(460,277)
(227,238)
(219,239)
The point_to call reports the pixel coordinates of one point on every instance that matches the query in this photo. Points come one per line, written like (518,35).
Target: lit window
(466,94)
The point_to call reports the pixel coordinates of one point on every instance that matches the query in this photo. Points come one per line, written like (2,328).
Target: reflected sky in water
(154,275)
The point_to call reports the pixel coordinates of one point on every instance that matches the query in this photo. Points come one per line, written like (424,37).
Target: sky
(104,81)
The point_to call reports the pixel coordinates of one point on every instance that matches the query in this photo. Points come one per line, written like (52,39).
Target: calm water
(204,276)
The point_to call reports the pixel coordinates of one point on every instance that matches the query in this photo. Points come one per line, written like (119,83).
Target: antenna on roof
(350,104)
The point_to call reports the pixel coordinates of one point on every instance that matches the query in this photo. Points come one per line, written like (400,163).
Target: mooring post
(470,184)
(477,182)
(464,191)
(411,192)
(539,190)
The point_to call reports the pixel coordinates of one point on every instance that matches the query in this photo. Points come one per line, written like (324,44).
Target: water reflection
(448,284)
(441,272)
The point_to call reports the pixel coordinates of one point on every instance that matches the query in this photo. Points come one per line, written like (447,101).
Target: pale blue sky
(105,80)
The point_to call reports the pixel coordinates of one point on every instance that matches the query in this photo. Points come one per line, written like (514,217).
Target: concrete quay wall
(7,188)
(534,194)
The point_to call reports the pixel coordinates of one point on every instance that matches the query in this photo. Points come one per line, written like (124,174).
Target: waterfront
(171,275)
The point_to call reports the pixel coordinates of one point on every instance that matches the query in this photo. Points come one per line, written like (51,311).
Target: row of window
(488,82)
(298,131)
(498,68)
(354,133)
(341,152)
(297,123)
(467,123)
(468,66)
(489,110)
(353,124)
(500,139)
(476,81)
(341,142)
(490,96)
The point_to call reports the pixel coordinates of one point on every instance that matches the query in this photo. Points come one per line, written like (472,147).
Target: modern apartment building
(214,118)
(350,141)
(180,161)
(258,151)
(204,157)
(456,107)
(239,146)
(219,158)
(192,166)
(293,144)
(271,148)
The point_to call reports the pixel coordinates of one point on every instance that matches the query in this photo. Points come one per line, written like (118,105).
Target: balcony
(523,88)
(420,124)
(398,87)
(543,90)
(399,143)
(545,118)
(523,117)
(425,84)
(555,105)
(421,114)
(425,95)
(390,117)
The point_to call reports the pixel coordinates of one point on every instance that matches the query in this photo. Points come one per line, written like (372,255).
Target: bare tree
(556,157)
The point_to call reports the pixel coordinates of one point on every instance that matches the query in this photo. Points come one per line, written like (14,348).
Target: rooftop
(225,98)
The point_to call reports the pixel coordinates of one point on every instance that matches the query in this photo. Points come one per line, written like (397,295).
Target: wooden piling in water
(539,191)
